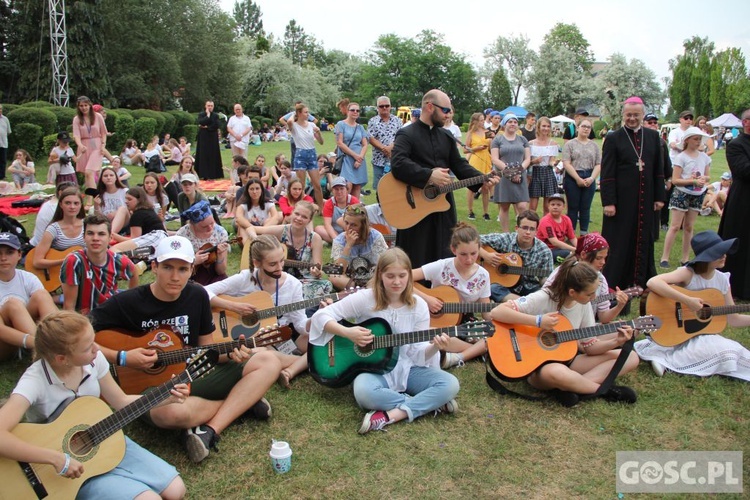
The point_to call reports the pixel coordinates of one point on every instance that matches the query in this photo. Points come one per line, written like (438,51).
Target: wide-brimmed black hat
(708,247)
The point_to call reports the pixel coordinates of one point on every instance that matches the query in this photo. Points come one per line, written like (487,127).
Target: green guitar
(338,362)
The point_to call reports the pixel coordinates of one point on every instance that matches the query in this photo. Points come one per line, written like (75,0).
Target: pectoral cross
(640,164)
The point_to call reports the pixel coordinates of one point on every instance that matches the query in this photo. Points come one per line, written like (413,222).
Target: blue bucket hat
(509,116)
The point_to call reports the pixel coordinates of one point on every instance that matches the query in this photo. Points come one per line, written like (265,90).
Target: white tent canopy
(727,120)
(561,118)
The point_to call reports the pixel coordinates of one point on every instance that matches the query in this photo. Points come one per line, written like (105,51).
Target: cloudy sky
(650,30)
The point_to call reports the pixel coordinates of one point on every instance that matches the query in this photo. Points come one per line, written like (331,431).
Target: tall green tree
(691,76)
(298,46)
(621,79)
(499,93)
(247,15)
(8,68)
(29,51)
(515,55)
(85,42)
(570,37)
(679,90)
(557,83)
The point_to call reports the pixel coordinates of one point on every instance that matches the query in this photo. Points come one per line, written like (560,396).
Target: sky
(650,30)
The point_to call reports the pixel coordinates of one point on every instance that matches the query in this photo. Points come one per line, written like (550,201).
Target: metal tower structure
(59,52)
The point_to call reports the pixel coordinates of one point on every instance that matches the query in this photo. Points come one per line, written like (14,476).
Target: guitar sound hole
(549,339)
(502,268)
(250,319)
(430,192)
(81,443)
(365,351)
(704,314)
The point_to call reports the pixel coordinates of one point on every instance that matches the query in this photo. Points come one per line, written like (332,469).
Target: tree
(621,79)
(700,86)
(85,42)
(691,76)
(499,93)
(405,68)
(298,46)
(679,90)
(342,70)
(570,37)
(556,84)
(247,15)
(8,68)
(728,74)
(515,55)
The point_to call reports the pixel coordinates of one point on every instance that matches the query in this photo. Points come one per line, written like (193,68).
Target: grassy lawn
(493,447)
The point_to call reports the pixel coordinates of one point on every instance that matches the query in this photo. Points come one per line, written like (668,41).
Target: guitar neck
(297,264)
(467,307)
(295,306)
(479,179)
(398,339)
(119,419)
(590,331)
(607,297)
(723,310)
(524,271)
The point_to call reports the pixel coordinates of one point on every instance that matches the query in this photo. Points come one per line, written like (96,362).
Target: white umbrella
(727,120)
(561,118)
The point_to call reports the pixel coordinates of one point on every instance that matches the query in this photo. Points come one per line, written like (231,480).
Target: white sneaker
(452,359)
(706,211)
(659,369)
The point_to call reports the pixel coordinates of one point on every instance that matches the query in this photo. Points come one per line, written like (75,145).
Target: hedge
(155,115)
(38,104)
(64,117)
(44,118)
(27,136)
(191,133)
(124,127)
(49,142)
(144,130)
(7,108)
(182,118)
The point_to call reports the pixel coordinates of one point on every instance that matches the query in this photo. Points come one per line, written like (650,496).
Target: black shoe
(366,192)
(260,410)
(472,216)
(199,441)
(621,394)
(487,217)
(565,398)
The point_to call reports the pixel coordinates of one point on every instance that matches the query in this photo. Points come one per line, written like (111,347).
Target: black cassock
(632,188)
(737,207)
(417,149)
(207,154)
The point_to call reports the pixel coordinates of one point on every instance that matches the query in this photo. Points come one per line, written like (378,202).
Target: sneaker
(373,421)
(706,211)
(566,398)
(665,227)
(199,441)
(621,394)
(658,368)
(664,264)
(449,408)
(260,410)
(487,217)
(472,216)
(452,359)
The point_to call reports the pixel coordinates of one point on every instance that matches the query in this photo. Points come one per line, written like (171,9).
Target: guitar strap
(498,386)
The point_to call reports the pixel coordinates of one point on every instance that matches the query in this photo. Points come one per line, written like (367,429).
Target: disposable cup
(281,457)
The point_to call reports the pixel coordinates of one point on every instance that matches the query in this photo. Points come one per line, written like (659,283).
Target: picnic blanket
(7,209)
(219,185)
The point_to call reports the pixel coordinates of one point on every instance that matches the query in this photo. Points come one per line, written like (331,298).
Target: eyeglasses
(353,110)
(384,106)
(584,126)
(528,229)
(444,109)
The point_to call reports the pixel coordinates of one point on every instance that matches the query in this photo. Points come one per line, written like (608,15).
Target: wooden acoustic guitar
(89,432)
(230,325)
(49,277)
(292,264)
(388,236)
(510,269)
(632,292)
(337,363)
(517,350)
(172,352)
(681,324)
(404,205)
(452,310)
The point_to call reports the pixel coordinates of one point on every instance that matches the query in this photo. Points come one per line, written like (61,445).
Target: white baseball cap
(175,247)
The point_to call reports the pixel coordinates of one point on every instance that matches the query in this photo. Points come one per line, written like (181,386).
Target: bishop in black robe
(632,180)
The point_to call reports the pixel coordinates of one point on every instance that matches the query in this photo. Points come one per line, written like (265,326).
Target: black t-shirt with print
(147,219)
(137,310)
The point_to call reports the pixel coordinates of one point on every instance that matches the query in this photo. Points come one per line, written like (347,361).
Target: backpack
(155,165)
(10,225)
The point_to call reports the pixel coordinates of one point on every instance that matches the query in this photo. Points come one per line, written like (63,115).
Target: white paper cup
(281,457)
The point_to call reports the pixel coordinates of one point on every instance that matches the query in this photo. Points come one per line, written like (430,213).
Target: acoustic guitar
(404,205)
(681,324)
(139,253)
(517,350)
(172,353)
(49,277)
(230,325)
(634,291)
(89,432)
(510,269)
(452,310)
(210,249)
(338,362)
(388,236)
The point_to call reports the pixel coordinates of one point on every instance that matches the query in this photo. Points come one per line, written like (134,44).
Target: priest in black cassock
(423,153)
(733,223)
(632,188)
(207,154)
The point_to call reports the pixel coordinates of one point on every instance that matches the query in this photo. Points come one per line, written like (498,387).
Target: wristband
(23,342)
(64,470)
(121,358)
(539,321)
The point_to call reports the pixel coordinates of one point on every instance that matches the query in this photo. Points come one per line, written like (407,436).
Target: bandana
(198,212)
(592,242)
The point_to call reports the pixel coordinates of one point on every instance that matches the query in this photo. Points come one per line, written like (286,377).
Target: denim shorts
(305,159)
(683,201)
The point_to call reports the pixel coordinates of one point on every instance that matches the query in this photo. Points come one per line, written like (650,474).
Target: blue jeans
(426,390)
(378,171)
(579,199)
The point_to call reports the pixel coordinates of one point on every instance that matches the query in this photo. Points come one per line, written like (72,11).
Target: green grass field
(494,447)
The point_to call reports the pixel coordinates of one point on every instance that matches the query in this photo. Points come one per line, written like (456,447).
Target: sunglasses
(352,110)
(442,108)
(383,106)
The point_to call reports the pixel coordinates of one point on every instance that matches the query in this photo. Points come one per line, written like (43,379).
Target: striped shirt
(95,283)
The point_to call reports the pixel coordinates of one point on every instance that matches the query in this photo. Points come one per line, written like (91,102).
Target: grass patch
(493,447)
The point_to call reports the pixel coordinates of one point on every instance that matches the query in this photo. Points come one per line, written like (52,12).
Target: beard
(275,275)
(437,120)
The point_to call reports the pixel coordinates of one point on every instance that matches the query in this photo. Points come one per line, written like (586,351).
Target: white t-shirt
(112,201)
(21,287)
(45,391)
(455,130)
(444,272)
(539,302)
(257,215)
(602,290)
(43,218)
(240,125)
(691,168)
(304,137)
(675,136)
